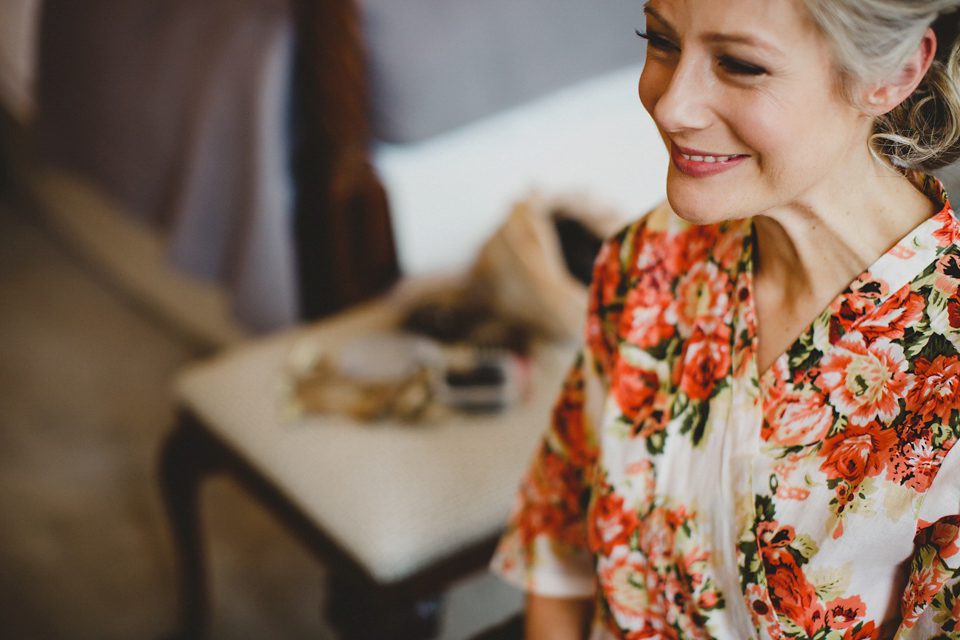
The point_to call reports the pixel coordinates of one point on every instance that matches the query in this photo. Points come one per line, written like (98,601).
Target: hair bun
(923,132)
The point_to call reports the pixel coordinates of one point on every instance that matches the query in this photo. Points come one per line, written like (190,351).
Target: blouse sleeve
(931,600)
(545,549)
(930,606)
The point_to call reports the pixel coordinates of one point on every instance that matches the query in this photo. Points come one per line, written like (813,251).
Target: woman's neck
(806,255)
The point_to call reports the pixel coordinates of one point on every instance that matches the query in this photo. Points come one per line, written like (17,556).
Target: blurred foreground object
(529,280)
(373,377)
(533,268)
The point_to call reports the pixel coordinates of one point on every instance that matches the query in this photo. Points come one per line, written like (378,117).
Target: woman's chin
(694,208)
(695,203)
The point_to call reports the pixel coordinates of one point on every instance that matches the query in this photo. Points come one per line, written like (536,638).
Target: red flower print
(650,287)
(773,540)
(656,535)
(915,463)
(611,524)
(706,360)
(551,502)
(924,584)
(745,347)
(758,602)
(635,594)
(945,536)
(953,313)
(942,535)
(946,234)
(784,470)
(792,493)
(948,274)
(607,277)
(701,291)
(657,586)
(634,390)
(606,274)
(551,520)
(935,392)
(843,613)
(771,534)
(844,496)
(854,305)
(869,631)
(643,322)
(569,423)
(857,452)
(901,252)
(691,248)
(648,250)
(797,417)
(727,250)
(889,320)
(793,596)
(597,342)
(653,630)
(708,600)
(644,480)
(863,381)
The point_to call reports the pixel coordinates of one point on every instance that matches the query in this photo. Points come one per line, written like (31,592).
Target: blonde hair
(872,40)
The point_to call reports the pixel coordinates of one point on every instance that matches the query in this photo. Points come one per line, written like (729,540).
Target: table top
(395,496)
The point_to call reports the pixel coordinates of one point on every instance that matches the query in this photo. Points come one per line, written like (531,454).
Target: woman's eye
(657,41)
(740,68)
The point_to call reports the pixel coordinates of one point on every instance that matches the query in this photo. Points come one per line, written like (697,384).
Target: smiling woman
(757,439)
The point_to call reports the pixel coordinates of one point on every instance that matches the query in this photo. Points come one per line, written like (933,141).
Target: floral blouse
(694,497)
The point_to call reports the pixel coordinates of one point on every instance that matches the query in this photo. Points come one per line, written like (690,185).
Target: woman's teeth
(707,158)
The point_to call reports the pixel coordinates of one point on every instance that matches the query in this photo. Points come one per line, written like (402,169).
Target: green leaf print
(937,345)
(805,545)
(831,582)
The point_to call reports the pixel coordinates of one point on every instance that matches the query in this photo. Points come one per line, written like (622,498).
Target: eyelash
(740,68)
(656,41)
(731,65)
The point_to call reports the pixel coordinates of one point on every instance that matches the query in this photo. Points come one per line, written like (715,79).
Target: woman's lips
(699,164)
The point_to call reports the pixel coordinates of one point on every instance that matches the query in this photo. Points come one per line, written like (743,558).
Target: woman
(756,440)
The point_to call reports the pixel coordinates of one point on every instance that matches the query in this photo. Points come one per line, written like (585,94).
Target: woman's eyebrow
(739,38)
(650,11)
(716,37)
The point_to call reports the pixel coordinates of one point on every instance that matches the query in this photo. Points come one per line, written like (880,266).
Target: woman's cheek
(653,84)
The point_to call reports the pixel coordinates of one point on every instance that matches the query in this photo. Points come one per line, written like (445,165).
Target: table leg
(360,610)
(186,458)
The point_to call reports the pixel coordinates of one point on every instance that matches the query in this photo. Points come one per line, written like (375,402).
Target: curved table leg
(358,606)
(361,610)
(186,458)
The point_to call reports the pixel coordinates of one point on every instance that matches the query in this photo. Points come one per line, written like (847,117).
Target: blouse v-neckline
(889,273)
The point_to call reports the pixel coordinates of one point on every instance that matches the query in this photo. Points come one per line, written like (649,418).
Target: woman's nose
(683,103)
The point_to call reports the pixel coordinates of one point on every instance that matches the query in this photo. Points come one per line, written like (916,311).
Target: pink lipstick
(699,164)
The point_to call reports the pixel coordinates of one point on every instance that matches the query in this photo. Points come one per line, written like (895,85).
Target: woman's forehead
(778,24)
(732,14)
